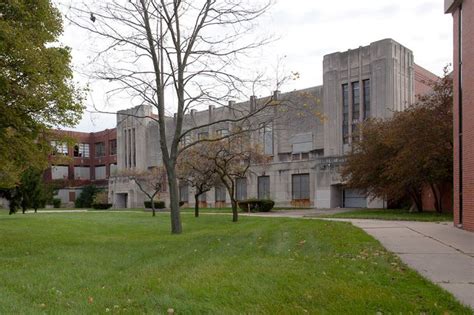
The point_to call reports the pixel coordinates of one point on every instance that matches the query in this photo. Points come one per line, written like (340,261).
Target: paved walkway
(438,251)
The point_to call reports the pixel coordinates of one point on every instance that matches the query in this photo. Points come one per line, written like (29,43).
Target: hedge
(56,203)
(101,205)
(158,204)
(256,205)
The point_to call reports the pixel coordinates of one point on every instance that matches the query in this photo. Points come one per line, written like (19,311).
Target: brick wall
(92,161)
(467,41)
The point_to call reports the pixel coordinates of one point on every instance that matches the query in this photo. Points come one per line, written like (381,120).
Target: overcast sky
(308,30)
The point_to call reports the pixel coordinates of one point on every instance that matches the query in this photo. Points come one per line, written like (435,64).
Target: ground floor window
(300,186)
(263,187)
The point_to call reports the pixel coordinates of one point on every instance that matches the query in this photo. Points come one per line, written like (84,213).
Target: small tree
(197,172)
(32,189)
(151,183)
(86,197)
(231,159)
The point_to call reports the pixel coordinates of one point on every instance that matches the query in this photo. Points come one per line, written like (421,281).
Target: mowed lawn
(101,262)
(394,214)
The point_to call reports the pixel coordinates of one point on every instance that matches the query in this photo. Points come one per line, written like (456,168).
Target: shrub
(266,205)
(256,205)
(102,206)
(158,204)
(56,202)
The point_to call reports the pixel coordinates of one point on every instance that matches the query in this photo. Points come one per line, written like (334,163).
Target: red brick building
(91,159)
(463,60)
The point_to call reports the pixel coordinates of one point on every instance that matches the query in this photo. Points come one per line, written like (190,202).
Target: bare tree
(187,48)
(151,183)
(232,159)
(197,172)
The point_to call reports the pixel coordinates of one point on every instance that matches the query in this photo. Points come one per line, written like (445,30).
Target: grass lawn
(394,214)
(99,262)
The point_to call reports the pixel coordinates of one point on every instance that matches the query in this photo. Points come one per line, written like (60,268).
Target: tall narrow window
(263,187)
(345,113)
(134,149)
(113,147)
(355,110)
(366,84)
(266,135)
(129,148)
(125,147)
(355,102)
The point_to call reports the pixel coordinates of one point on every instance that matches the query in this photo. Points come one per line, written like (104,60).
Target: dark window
(100,149)
(355,109)
(134,149)
(266,134)
(300,186)
(366,84)
(241,189)
(113,147)
(220,193)
(183,193)
(345,113)
(355,102)
(263,187)
(203,197)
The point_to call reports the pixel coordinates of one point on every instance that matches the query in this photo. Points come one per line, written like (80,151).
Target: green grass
(394,214)
(99,262)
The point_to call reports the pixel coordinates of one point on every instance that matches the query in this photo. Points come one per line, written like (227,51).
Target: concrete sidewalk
(438,251)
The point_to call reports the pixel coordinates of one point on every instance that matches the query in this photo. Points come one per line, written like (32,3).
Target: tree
(231,159)
(86,197)
(32,189)
(36,92)
(188,48)
(151,183)
(197,172)
(413,150)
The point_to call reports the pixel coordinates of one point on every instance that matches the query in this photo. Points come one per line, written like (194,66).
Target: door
(354,198)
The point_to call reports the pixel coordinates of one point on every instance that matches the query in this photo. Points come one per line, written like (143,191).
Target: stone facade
(307,141)
(463,28)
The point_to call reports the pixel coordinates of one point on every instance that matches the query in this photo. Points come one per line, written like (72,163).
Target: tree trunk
(196,205)
(235,212)
(437,197)
(153,207)
(176,227)
(417,199)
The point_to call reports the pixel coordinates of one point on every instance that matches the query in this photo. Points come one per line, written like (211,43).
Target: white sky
(308,30)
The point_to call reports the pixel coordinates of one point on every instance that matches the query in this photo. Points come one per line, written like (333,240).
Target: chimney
(193,112)
(276,95)
(253,103)
(211,112)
